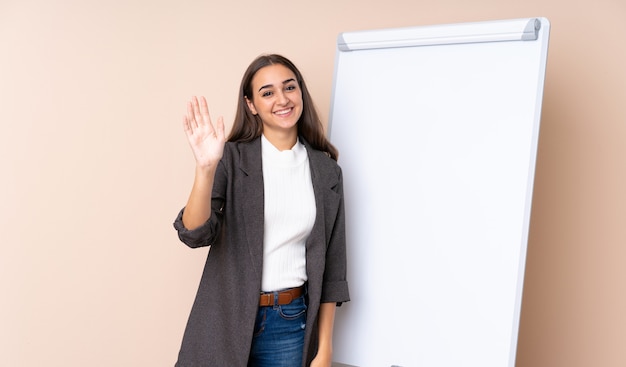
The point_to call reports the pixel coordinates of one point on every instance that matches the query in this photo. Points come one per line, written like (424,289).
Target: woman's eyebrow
(270,85)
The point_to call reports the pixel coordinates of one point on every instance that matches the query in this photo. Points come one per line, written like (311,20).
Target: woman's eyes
(288,88)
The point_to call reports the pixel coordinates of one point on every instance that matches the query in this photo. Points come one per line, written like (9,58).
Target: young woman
(269,202)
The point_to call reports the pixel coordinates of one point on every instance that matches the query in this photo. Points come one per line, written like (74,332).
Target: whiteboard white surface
(437,129)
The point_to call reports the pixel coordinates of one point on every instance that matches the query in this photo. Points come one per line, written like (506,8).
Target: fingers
(200,111)
(196,110)
(204,110)
(219,132)
(194,116)
(191,119)
(186,126)
(198,116)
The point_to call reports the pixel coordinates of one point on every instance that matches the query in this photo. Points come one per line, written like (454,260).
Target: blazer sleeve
(206,234)
(335,286)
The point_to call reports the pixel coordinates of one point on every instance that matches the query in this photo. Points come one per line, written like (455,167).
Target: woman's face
(276,98)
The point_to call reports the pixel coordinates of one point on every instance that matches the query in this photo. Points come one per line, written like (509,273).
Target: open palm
(206,141)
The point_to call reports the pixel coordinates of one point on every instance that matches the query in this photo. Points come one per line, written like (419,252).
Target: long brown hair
(248,126)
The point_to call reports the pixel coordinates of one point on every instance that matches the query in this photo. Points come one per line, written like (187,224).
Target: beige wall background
(94,165)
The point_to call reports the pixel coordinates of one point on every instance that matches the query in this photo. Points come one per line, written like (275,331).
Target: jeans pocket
(293,310)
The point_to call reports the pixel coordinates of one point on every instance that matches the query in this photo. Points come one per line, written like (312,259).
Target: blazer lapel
(326,200)
(252,205)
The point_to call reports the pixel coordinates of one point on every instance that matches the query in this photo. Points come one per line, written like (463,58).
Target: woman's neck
(282,140)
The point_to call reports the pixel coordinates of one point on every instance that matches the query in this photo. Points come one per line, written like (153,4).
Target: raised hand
(206,141)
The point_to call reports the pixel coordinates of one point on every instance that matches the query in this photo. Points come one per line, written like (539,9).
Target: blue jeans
(279,335)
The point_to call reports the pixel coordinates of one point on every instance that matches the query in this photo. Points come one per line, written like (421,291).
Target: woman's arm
(198,208)
(326,321)
(207,144)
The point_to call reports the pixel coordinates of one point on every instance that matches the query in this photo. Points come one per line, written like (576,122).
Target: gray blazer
(220,326)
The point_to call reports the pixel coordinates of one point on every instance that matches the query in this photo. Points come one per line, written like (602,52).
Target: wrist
(206,170)
(325,347)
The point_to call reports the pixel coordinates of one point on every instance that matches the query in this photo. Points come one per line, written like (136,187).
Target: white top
(289,215)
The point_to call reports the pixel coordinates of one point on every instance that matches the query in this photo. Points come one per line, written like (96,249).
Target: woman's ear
(250,106)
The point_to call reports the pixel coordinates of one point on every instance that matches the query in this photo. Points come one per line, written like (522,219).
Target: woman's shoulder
(241,147)
(245,155)
(323,162)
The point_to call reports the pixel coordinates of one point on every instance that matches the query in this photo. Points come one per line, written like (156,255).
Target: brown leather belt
(284,297)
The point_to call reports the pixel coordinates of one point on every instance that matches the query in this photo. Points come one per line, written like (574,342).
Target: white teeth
(283,112)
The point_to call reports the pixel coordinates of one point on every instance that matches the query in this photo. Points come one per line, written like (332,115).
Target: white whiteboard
(437,131)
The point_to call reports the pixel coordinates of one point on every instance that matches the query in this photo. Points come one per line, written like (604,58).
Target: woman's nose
(282,98)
